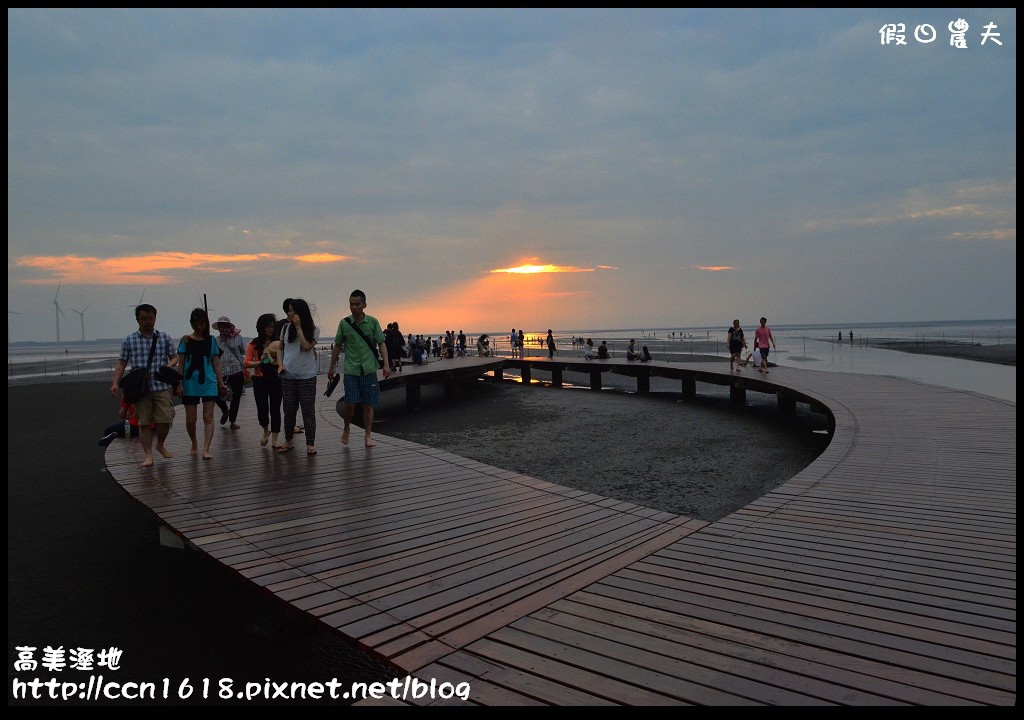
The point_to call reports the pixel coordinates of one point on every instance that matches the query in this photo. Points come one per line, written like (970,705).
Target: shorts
(194,399)
(362,389)
(155,408)
(764,353)
(735,348)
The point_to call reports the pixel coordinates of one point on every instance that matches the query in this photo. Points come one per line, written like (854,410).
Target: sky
(488,169)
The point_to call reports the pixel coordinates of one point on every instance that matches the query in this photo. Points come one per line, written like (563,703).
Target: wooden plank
(882,573)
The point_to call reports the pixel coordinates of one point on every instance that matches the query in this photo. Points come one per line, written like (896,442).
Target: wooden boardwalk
(882,574)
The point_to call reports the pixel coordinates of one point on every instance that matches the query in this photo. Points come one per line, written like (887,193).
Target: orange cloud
(158,267)
(715,268)
(1003,234)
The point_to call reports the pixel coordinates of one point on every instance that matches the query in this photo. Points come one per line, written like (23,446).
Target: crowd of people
(208,371)
(211,371)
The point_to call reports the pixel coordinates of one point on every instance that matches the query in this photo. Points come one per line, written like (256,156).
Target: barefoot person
(156,406)
(203,381)
(359,336)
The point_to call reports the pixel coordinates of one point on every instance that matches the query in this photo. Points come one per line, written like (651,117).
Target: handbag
(135,384)
(370,343)
(169,375)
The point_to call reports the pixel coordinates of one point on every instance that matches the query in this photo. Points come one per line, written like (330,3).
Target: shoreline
(1004,354)
(666,350)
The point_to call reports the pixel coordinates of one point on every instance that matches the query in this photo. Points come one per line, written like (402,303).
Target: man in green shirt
(360,337)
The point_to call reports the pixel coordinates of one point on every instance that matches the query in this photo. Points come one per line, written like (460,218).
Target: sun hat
(223,320)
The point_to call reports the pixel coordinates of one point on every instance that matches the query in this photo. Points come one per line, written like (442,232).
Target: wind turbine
(57,312)
(139,302)
(10,312)
(81,315)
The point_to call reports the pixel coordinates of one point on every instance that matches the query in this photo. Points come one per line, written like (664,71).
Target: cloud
(157,267)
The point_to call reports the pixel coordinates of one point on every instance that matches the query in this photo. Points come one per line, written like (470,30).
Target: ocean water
(814,347)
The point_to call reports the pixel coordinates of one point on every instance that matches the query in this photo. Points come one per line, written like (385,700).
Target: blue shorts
(362,389)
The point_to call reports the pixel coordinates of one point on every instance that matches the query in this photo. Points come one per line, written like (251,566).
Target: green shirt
(359,359)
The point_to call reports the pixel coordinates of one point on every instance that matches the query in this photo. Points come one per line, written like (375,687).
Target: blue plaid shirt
(135,350)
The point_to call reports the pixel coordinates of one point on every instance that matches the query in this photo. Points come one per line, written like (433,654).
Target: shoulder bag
(370,343)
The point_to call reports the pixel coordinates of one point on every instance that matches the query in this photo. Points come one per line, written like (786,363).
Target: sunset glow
(534,269)
(715,268)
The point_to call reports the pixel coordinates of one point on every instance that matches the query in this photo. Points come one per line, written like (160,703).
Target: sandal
(285,448)
(310,450)
(264,440)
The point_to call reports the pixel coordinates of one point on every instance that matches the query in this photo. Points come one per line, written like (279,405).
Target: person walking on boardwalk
(298,379)
(360,337)
(156,406)
(263,361)
(202,380)
(736,344)
(763,336)
(232,359)
(551,345)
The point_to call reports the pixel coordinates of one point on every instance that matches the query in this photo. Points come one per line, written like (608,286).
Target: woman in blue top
(199,358)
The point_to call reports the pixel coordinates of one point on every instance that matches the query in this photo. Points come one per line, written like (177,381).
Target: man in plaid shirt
(155,407)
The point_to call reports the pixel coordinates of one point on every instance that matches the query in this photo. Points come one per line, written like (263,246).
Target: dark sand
(85,569)
(701,458)
(1005,354)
